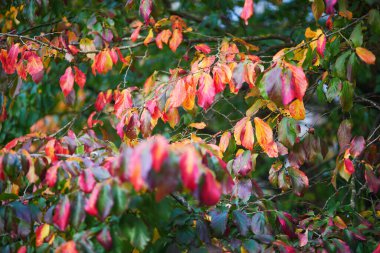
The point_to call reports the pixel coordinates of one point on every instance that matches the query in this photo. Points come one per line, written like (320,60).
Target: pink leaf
(247,11)
(62,213)
(67,81)
(86,181)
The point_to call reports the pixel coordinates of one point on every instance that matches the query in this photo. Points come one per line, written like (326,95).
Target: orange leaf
(264,136)
(67,247)
(224,141)
(243,133)
(176,39)
(247,11)
(178,94)
(163,37)
(366,55)
(200,125)
(297,109)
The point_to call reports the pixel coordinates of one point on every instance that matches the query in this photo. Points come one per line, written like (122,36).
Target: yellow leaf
(264,136)
(297,110)
(156,235)
(148,38)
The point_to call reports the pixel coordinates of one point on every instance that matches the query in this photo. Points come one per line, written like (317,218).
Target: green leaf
(135,230)
(120,199)
(318,7)
(219,222)
(8,196)
(258,225)
(241,221)
(105,201)
(77,210)
(347,96)
(252,246)
(299,180)
(374,21)
(340,66)
(333,89)
(357,36)
(287,131)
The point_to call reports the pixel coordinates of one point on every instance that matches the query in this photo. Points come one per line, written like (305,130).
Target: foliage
(189,126)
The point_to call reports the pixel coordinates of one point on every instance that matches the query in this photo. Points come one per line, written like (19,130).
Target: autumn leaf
(206,91)
(365,55)
(224,141)
(297,110)
(149,37)
(145,9)
(264,136)
(178,94)
(247,11)
(41,233)
(67,81)
(211,190)
(243,133)
(86,181)
(176,39)
(79,77)
(9,59)
(123,101)
(62,213)
(163,37)
(159,152)
(67,247)
(203,48)
(188,165)
(200,125)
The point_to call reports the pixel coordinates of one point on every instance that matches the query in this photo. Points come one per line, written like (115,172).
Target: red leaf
(51,175)
(80,77)
(103,99)
(86,181)
(298,82)
(34,65)
(67,82)
(22,249)
(176,39)
(211,190)
(145,9)
(224,141)
(123,101)
(90,206)
(349,166)
(62,213)
(247,11)
(159,152)
(377,250)
(321,45)
(203,48)
(103,62)
(9,59)
(206,91)
(222,75)
(189,168)
(135,34)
